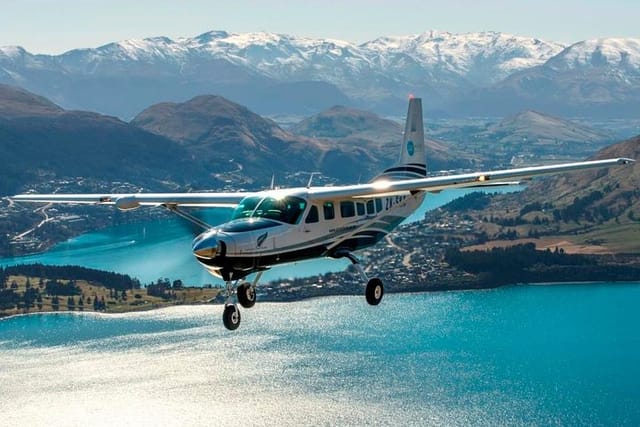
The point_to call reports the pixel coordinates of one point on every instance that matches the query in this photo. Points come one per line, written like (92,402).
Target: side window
(347,209)
(360,208)
(329,210)
(378,205)
(371,209)
(312,216)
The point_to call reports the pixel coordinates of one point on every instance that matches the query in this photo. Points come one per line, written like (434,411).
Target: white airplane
(279,226)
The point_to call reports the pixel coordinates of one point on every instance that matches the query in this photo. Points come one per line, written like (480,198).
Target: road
(42,210)
(406,259)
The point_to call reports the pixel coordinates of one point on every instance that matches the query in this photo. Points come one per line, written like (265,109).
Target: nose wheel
(231,317)
(246,295)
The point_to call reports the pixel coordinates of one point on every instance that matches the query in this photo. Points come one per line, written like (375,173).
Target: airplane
(279,226)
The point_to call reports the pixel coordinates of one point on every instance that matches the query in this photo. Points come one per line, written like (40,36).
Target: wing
(135,200)
(439,183)
(377,188)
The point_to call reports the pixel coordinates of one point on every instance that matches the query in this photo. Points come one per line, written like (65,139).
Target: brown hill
(228,138)
(40,142)
(349,127)
(17,102)
(596,211)
(620,185)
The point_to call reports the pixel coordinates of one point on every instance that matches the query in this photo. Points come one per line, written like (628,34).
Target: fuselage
(280,226)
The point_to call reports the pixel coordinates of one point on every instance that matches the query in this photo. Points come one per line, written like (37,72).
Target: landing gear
(246,295)
(231,317)
(374,289)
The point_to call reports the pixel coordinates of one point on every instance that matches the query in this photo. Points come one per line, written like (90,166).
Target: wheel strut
(374,289)
(231,313)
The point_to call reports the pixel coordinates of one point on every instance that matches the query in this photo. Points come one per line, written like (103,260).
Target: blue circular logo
(410,148)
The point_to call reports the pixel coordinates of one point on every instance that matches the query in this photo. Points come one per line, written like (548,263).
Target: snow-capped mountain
(623,54)
(281,73)
(593,77)
(481,58)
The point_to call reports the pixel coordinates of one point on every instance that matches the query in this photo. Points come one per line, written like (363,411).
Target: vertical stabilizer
(411,163)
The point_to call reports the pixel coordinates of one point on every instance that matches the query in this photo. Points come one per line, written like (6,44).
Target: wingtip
(626,161)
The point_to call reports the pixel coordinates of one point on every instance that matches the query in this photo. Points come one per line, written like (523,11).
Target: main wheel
(246,295)
(374,291)
(231,317)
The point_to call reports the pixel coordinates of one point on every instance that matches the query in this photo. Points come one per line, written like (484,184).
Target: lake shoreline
(123,309)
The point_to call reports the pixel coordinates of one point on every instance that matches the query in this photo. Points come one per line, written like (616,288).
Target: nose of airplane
(206,246)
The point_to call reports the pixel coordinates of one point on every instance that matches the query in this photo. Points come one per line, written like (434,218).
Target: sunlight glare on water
(518,355)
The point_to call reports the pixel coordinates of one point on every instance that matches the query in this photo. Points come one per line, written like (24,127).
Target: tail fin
(411,163)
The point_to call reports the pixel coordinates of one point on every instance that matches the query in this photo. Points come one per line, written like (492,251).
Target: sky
(56,26)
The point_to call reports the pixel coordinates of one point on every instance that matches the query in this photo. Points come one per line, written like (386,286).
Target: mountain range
(487,73)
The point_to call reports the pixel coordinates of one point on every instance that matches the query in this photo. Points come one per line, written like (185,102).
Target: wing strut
(192,219)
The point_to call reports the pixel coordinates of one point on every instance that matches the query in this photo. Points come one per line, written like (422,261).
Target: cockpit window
(286,209)
(246,207)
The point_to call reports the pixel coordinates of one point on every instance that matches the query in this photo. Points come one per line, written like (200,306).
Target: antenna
(311,178)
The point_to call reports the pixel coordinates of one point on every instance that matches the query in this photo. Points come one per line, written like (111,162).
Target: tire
(246,295)
(374,291)
(231,317)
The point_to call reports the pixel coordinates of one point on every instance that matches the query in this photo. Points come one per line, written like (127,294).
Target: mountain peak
(211,35)
(194,121)
(604,52)
(11,51)
(480,57)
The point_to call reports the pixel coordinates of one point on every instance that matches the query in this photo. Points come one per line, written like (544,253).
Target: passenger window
(312,216)
(347,210)
(379,205)
(360,208)
(329,211)
(371,209)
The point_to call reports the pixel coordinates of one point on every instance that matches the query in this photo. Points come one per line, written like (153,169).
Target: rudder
(411,163)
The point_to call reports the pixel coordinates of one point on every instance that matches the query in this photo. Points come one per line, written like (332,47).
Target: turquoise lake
(520,355)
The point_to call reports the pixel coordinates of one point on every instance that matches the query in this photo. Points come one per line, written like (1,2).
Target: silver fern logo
(410,148)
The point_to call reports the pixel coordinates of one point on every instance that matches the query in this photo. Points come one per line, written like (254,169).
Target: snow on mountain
(9,52)
(479,58)
(482,58)
(459,72)
(283,57)
(611,52)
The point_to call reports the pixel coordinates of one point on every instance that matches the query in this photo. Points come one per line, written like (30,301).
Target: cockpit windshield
(286,209)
